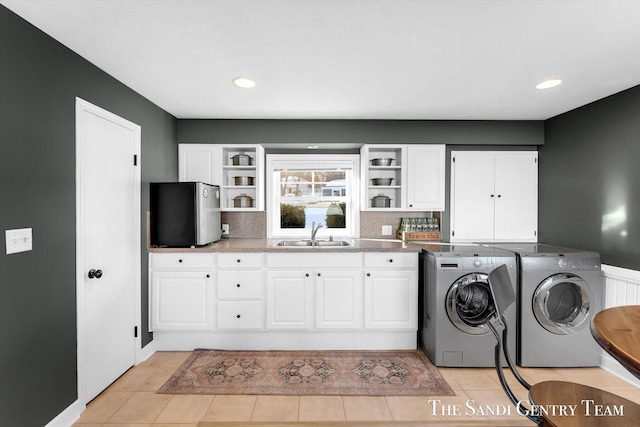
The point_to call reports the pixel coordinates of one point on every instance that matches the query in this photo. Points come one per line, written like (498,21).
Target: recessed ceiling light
(313,147)
(548,84)
(244,82)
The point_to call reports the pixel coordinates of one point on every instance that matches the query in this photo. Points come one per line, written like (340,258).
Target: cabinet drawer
(181,260)
(239,260)
(239,315)
(389,260)
(239,284)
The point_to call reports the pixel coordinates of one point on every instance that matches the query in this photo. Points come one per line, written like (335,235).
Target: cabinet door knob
(493,195)
(238,316)
(368,274)
(499,195)
(390,259)
(307,275)
(95,274)
(238,285)
(319,275)
(410,206)
(179,260)
(208,276)
(238,260)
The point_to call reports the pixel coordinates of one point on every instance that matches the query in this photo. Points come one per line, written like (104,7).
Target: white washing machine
(559,292)
(456,302)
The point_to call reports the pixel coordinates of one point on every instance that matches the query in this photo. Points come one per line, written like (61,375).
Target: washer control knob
(563,263)
(477,263)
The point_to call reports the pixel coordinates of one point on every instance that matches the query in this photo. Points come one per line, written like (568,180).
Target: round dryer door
(561,303)
(469,304)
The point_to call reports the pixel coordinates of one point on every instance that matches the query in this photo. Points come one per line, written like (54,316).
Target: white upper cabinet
(494,196)
(237,169)
(198,162)
(403,177)
(425,177)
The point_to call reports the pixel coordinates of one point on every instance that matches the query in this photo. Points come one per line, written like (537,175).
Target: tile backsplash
(245,225)
(253,225)
(371,222)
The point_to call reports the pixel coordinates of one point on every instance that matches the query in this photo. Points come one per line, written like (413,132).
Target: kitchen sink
(309,243)
(338,243)
(293,243)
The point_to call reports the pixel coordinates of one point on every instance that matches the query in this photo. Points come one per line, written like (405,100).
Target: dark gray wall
(452,132)
(39,80)
(590,179)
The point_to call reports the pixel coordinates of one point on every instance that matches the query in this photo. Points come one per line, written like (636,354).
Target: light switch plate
(18,240)
(225,229)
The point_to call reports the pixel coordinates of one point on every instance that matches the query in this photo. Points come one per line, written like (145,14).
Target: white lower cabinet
(338,299)
(181,300)
(181,292)
(284,301)
(390,300)
(335,296)
(391,291)
(289,299)
(319,290)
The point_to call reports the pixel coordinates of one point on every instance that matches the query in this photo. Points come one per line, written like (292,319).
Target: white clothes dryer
(456,303)
(560,290)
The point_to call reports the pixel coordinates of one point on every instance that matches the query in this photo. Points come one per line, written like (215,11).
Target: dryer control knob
(563,263)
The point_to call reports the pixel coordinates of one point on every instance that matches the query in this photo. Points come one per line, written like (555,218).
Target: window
(303,189)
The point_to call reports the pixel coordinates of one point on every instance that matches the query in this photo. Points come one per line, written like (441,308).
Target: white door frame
(81,106)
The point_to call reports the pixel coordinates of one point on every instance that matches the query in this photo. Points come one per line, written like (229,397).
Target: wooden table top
(617,330)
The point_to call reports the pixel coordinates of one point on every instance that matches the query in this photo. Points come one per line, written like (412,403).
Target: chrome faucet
(314,230)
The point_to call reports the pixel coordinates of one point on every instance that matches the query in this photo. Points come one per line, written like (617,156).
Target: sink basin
(322,243)
(293,243)
(307,243)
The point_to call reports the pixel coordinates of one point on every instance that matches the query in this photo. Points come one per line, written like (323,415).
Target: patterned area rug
(347,373)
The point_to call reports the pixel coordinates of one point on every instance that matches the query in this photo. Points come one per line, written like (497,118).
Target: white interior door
(108,279)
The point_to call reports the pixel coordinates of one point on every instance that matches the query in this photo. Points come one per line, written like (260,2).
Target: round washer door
(469,304)
(561,303)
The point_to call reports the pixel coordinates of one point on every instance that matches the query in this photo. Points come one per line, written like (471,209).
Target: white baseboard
(611,365)
(148,351)
(67,417)
(72,413)
(286,340)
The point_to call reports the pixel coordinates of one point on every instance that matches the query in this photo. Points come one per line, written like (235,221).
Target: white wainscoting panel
(622,287)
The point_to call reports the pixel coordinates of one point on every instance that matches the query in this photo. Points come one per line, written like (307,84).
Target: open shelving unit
(371,171)
(230,171)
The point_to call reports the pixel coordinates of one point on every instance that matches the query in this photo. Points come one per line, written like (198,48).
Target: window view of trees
(312,196)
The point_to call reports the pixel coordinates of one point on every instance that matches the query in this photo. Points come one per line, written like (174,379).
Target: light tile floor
(131,401)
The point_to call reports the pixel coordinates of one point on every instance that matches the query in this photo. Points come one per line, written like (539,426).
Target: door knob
(95,274)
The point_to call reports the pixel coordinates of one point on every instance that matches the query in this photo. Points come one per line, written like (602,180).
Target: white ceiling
(354,59)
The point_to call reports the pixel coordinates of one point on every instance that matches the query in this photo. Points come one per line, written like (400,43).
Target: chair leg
(505,386)
(507,356)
